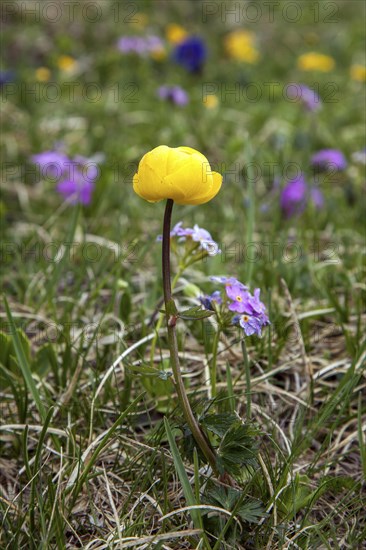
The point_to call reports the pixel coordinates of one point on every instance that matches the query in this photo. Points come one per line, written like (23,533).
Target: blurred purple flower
(293,196)
(51,163)
(140,45)
(76,177)
(132,44)
(209,300)
(175,94)
(302,93)
(191,54)
(328,159)
(77,189)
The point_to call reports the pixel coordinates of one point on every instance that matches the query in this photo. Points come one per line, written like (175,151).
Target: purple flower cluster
(329,159)
(302,93)
(297,194)
(251,311)
(175,94)
(140,45)
(75,177)
(198,235)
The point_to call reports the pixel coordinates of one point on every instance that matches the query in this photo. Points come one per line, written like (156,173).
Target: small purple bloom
(250,324)
(209,300)
(329,159)
(228,282)
(175,94)
(139,45)
(293,196)
(51,163)
(76,177)
(308,97)
(197,234)
(132,44)
(77,189)
(191,54)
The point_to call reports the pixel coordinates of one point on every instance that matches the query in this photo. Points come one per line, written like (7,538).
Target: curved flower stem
(160,320)
(171,320)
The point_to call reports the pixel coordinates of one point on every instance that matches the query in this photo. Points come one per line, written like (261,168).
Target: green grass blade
(182,474)
(23,363)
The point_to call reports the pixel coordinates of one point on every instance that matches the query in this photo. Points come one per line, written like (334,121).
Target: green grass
(93,450)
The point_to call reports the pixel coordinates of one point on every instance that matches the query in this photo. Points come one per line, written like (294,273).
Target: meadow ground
(94,451)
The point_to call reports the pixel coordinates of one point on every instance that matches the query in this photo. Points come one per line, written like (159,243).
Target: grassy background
(84,460)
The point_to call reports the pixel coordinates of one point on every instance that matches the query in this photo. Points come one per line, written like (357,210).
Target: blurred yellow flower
(138,20)
(66,63)
(43,74)
(358,73)
(210,101)
(181,173)
(240,45)
(313,61)
(175,33)
(158,54)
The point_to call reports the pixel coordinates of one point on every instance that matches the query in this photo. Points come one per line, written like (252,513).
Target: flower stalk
(171,319)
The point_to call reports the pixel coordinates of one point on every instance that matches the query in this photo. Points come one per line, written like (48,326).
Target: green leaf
(238,448)
(220,423)
(44,360)
(24,363)
(171,308)
(195,313)
(125,306)
(249,510)
(5,342)
(182,474)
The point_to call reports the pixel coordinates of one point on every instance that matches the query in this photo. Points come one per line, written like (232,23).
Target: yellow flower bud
(182,174)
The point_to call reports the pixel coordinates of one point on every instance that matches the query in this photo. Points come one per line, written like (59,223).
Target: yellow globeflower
(175,33)
(210,101)
(181,173)
(358,72)
(43,74)
(240,45)
(313,61)
(66,63)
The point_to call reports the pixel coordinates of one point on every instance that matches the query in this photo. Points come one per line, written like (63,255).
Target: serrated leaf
(238,449)
(195,313)
(250,510)
(219,424)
